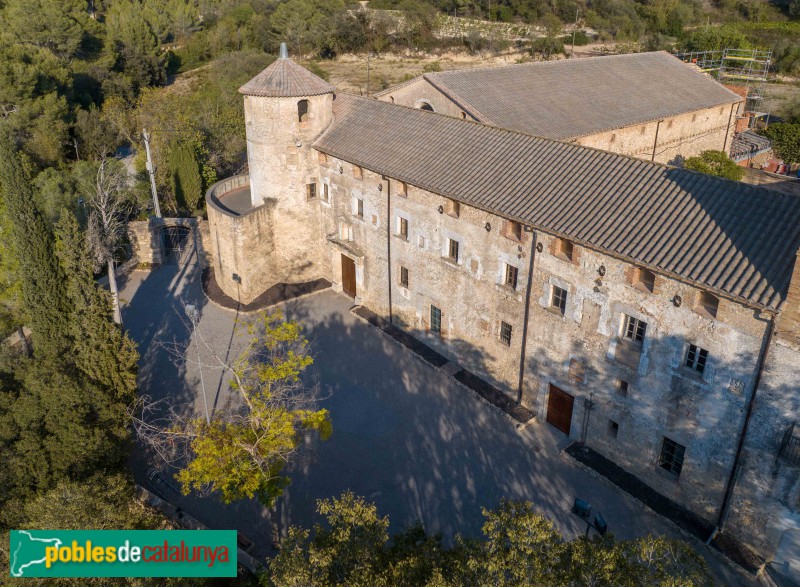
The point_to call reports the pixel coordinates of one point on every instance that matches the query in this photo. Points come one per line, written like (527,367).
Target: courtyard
(406,436)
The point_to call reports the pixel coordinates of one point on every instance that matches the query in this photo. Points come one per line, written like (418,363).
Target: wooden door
(348,276)
(559,409)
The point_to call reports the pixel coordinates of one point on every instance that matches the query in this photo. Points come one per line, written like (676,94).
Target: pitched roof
(714,232)
(285,78)
(571,98)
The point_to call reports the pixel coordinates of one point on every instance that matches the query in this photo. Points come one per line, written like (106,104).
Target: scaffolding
(745,68)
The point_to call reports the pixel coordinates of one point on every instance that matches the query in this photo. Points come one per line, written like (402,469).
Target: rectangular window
(622,388)
(453,208)
(512,230)
(634,329)
(325,195)
(358,173)
(613,429)
(671,458)
(401,189)
(505,333)
(436,320)
(402,227)
(323,158)
(358,207)
(404,276)
(559,299)
(696,358)
(511,276)
(452,249)
(311,191)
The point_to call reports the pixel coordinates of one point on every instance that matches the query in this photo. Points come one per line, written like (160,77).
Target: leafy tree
(187,185)
(785,139)
(102,351)
(545,48)
(40,275)
(715,163)
(242,453)
(716,39)
(519,548)
(57,25)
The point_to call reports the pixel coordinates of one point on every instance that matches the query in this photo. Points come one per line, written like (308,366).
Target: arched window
(302,110)
(426,106)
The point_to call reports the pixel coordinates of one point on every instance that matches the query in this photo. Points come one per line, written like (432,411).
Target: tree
(57,25)
(108,220)
(785,139)
(187,185)
(546,47)
(519,547)
(101,351)
(133,46)
(242,453)
(715,163)
(40,276)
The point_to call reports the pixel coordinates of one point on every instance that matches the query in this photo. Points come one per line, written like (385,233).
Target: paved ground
(406,436)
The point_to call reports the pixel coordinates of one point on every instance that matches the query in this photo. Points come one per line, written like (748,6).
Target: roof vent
(284,54)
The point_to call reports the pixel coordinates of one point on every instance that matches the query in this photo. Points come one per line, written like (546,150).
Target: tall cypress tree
(42,280)
(102,351)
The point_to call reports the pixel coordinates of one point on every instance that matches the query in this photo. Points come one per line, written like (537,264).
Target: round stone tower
(285,108)
(265,230)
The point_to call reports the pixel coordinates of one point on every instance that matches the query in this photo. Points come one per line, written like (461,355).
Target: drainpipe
(389,240)
(734,476)
(525,322)
(727,131)
(655,142)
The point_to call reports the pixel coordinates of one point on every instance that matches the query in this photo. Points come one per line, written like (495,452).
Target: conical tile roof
(285,78)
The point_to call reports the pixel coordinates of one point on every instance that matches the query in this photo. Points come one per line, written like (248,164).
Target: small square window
(358,207)
(564,249)
(622,388)
(453,208)
(402,227)
(436,320)
(512,230)
(505,333)
(358,173)
(707,305)
(613,429)
(644,279)
(401,189)
(634,329)
(452,249)
(322,157)
(311,191)
(404,276)
(671,458)
(558,300)
(696,358)
(511,276)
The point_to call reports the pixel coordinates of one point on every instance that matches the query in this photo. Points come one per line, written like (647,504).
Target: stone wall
(419,92)
(147,244)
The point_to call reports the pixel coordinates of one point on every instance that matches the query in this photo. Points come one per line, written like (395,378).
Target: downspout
(727,130)
(525,319)
(734,476)
(655,142)
(389,241)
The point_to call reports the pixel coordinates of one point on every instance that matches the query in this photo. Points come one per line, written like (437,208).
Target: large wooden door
(348,276)
(559,409)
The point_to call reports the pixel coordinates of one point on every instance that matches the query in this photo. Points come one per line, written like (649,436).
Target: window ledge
(563,257)
(506,288)
(641,287)
(702,311)
(359,218)
(451,261)
(555,311)
(400,237)
(690,374)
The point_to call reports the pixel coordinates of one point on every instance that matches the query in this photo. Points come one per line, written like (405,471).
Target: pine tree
(102,351)
(42,280)
(187,185)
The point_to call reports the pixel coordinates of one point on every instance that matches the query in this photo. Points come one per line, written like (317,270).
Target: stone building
(635,307)
(647,105)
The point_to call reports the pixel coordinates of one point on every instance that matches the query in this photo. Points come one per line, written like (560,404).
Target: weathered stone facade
(657,375)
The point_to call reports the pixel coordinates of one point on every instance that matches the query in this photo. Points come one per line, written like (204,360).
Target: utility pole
(574,30)
(368,74)
(151,171)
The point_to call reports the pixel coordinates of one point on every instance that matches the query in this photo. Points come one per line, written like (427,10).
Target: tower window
(452,250)
(402,227)
(302,110)
(436,320)
(404,276)
(311,191)
(634,329)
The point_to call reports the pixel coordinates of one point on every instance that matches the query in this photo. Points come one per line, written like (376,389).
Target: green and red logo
(123,553)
